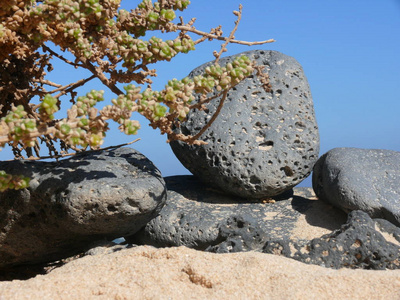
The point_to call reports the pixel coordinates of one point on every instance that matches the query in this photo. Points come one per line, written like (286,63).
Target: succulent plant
(110,43)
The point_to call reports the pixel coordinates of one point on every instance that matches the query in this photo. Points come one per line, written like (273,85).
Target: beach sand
(146,272)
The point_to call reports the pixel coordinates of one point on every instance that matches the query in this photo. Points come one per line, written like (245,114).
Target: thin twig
(60,56)
(100,75)
(213,118)
(221,38)
(199,104)
(231,35)
(71,86)
(48,82)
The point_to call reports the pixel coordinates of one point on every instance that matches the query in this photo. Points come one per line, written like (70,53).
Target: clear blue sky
(349,50)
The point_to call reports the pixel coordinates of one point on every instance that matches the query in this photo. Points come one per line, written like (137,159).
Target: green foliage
(48,106)
(110,44)
(12,182)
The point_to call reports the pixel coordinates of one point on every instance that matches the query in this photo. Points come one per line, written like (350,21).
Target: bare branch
(206,100)
(213,118)
(220,38)
(45,48)
(48,82)
(69,87)
(96,71)
(231,35)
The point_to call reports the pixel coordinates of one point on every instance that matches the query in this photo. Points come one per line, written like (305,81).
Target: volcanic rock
(360,243)
(200,217)
(263,142)
(75,202)
(360,179)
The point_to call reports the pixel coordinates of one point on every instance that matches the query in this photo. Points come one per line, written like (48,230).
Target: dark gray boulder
(75,202)
(360,179)
(239,234)
(360,243)
(262,142)
(199,217)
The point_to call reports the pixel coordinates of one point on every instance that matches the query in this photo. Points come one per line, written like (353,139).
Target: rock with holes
(360,179)
(239,234)
(199,217)
(75,202)
(263,142)
(360,243)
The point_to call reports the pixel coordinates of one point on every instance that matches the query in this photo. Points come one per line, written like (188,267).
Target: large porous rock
(199,217)
(360,243)
(360,179)
(263,142)
(74,202)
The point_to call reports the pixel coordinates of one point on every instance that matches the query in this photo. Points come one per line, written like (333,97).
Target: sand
(181,273)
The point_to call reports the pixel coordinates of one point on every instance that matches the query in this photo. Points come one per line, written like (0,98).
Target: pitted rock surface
(198,217)
(262,143)
(360,179)
(75,202)
(360,243)
(239,234)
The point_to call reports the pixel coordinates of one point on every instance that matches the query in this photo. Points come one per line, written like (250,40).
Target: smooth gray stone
(360,179)
(263,142)
(362,242)
(74,202)
(197,216)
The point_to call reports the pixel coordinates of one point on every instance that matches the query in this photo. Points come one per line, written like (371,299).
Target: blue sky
(349,50)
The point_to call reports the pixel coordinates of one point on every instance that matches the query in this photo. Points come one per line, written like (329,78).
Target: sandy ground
(180,273)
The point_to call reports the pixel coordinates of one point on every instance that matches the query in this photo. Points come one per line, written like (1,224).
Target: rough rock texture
(181,273)
(195,216)
(262,143)
(360,179)
(360,243)
(77,201)
(239,234)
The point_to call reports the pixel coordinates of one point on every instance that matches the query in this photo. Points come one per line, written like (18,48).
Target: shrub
(110,43)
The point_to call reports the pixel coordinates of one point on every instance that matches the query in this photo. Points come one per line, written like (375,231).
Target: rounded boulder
(264,141)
